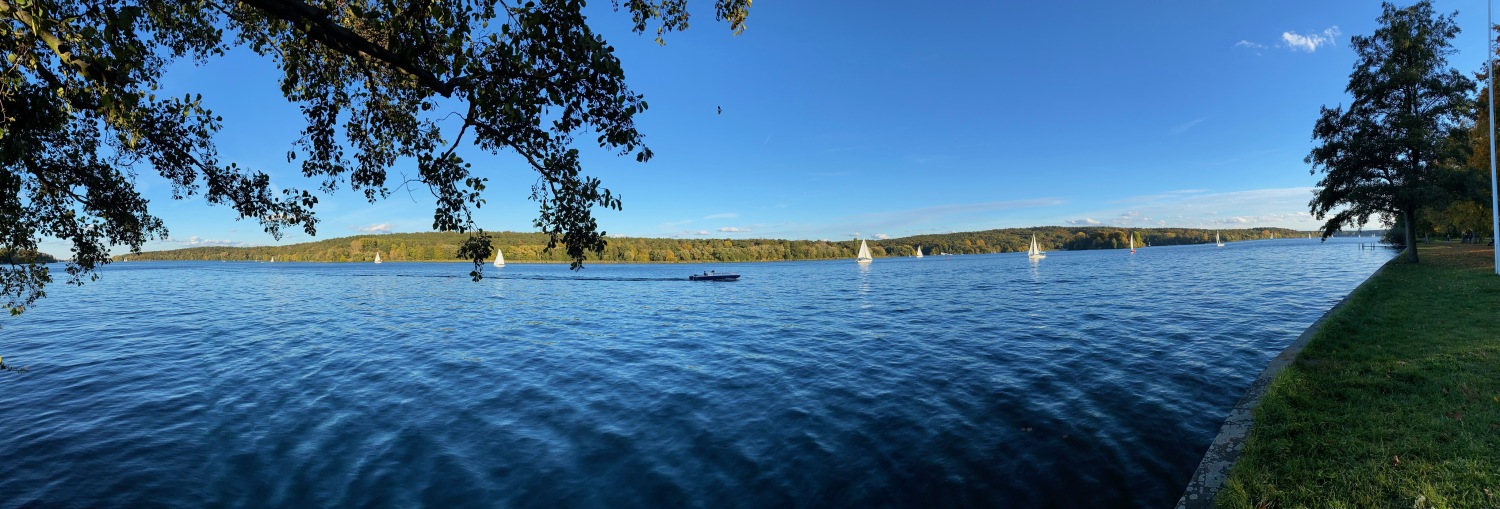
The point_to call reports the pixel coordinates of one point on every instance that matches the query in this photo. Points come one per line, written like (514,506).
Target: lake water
(1090,379)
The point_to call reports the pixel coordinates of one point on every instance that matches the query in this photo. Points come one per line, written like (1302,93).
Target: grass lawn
(1394,403)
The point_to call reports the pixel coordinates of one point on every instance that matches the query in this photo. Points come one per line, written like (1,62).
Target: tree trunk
(1410,217)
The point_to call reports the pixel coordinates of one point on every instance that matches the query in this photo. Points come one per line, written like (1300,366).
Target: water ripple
(1089,379)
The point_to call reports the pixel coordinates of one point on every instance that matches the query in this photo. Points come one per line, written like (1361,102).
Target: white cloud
(1310,42)
(374,228)
(198,241)
(1182,128)
(1283,207)
(881,236)
(731,229)
(1247,44)
(701,232)
(1084,222)
(1162,196)
(1131,217)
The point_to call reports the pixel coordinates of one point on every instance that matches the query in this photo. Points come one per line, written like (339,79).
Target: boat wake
(586,278)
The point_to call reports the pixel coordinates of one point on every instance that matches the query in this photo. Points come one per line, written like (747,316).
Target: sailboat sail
(864,253)
(1035,253)
(499,258)
(377,257)
(919,251)
(1218,242)
(1132,242)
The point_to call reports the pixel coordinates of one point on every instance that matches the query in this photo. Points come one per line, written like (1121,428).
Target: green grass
(1394,403)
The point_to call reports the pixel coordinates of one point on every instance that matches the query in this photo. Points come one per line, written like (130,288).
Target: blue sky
(894,119)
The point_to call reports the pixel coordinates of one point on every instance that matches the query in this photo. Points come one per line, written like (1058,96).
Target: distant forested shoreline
(22,257)
(531,247)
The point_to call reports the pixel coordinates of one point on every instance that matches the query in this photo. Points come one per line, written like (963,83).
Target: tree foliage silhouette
(82,118)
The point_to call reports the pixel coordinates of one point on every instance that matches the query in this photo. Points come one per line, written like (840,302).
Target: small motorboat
(713,276)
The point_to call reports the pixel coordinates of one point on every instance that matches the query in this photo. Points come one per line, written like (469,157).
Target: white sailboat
(1218,242)
(1132,242)
(1034,253)
(377,257)
(499,258)
(919,251)
(864,253)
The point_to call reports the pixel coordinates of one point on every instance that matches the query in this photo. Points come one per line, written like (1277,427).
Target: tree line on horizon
(532,247)
(14,257)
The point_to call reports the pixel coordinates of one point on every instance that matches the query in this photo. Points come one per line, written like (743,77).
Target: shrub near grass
(1394,403)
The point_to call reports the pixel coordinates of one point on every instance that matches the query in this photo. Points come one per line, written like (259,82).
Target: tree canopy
(81,116)
(1380,155)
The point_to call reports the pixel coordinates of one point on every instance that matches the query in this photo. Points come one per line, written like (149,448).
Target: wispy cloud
(374,228)
(195,241)
(1197,208)
(881,236)
(732,229)
(1130,218)
(726,215)
(1297,42)
(1084,222)
(1310,42)
(1182,128)
(938,218)
(1162,196)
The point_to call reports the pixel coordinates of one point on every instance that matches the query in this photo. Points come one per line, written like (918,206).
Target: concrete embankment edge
(1209,478)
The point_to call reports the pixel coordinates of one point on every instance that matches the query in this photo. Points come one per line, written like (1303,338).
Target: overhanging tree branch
(319,25)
